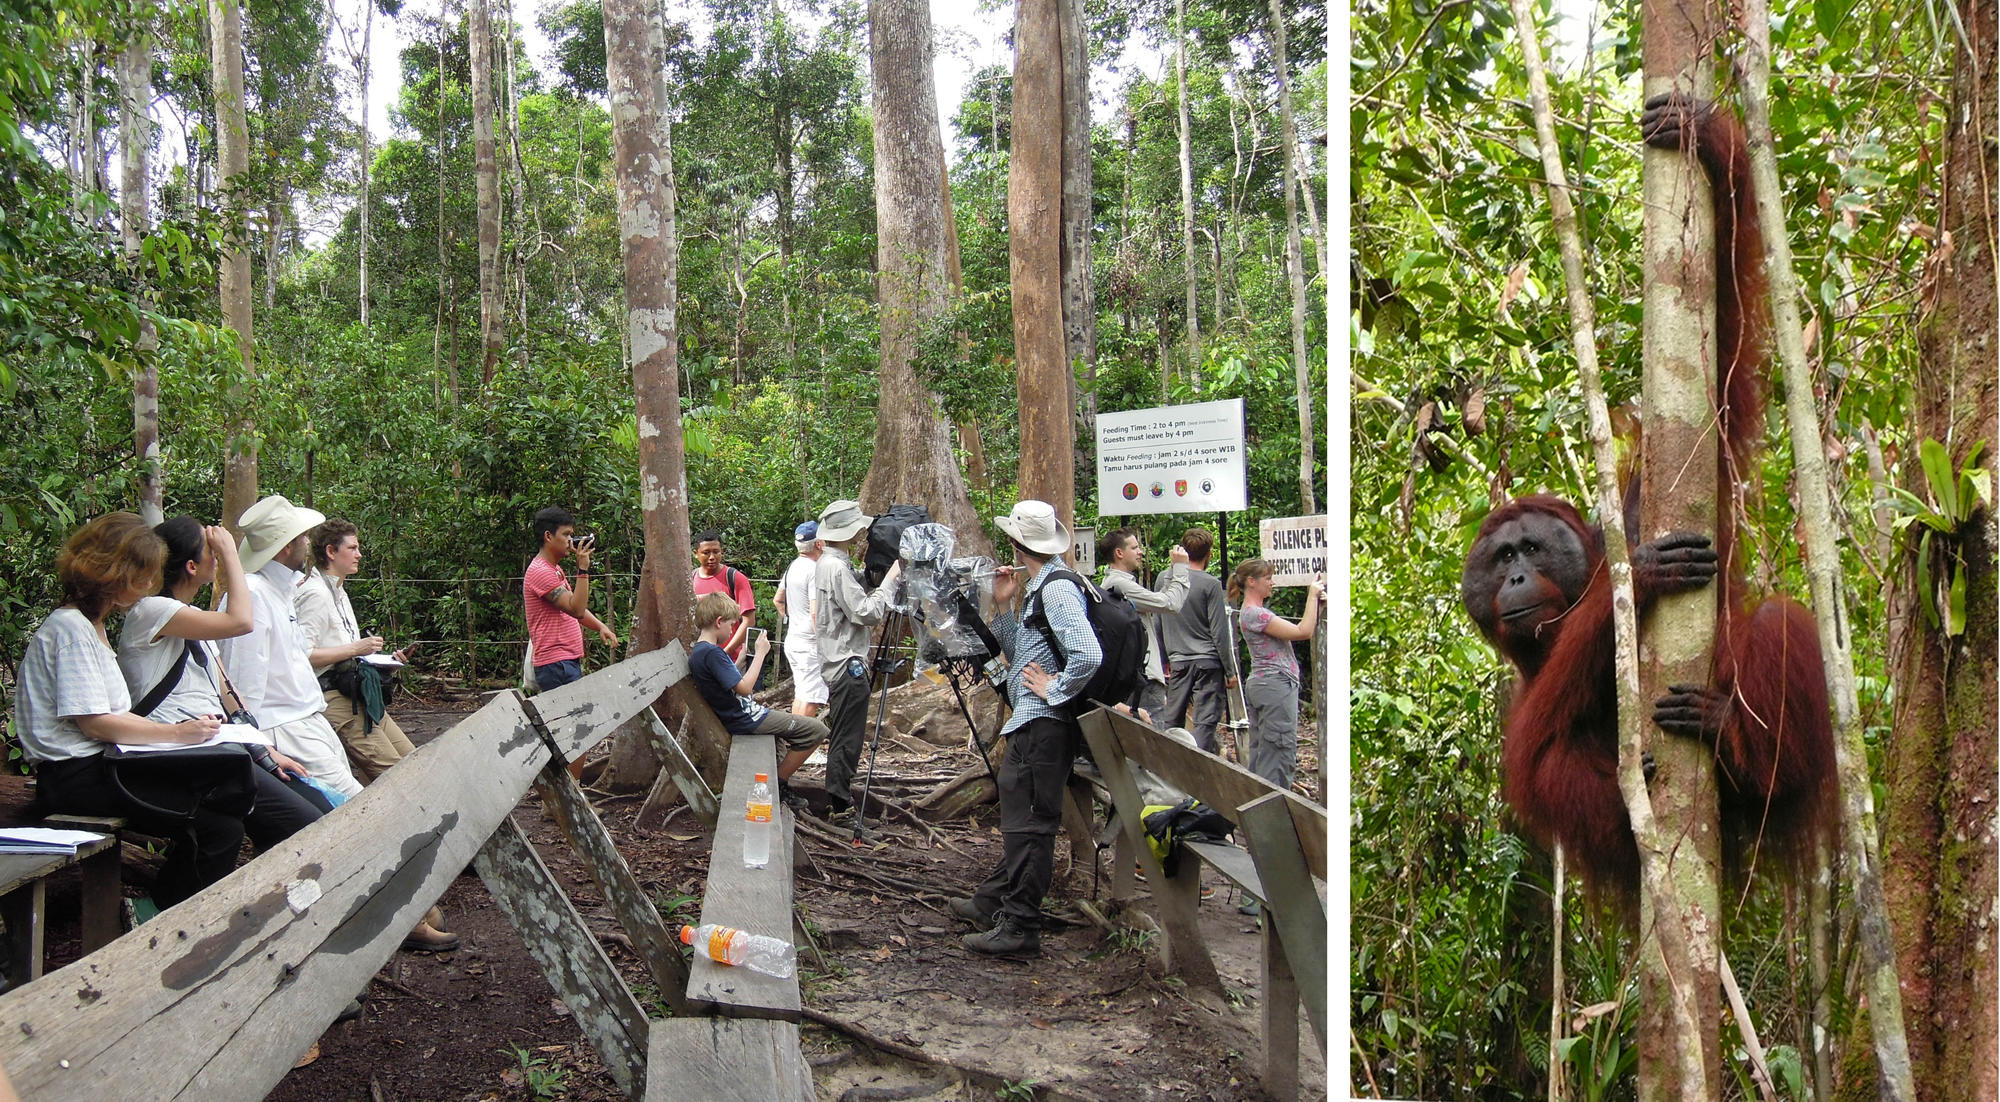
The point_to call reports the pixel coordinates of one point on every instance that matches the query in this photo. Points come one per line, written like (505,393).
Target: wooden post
(1181,948)
(1295,912)
(567,952)
(622,890)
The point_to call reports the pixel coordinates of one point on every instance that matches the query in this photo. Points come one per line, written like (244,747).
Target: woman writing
(161,627)
(71,703)
(1271,692)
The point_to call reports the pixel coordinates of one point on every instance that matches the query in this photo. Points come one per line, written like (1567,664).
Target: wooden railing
(1287,852)
(218,997)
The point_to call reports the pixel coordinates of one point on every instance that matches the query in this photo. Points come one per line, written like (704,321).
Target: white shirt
(269,665)
(326,616)
(798,583)
(68,671)
(146,655)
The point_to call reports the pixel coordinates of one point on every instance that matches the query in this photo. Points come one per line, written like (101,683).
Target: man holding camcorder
(1042,735)
(557,613)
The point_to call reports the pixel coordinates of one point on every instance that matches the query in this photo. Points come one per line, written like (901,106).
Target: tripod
(883,665)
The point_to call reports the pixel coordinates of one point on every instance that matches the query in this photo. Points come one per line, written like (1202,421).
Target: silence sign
(1295,547)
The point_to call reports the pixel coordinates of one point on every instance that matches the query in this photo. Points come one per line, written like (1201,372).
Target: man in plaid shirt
(1042,737)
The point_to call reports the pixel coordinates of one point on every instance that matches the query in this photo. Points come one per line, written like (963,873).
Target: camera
(243,717)
(942,595)
(578,543)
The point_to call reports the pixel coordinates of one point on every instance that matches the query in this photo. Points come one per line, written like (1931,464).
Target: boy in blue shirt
(727,690)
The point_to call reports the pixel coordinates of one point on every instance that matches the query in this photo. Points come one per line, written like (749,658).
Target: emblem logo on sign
(1158,489)
(1180,487)
(1131,490)
(1208,485)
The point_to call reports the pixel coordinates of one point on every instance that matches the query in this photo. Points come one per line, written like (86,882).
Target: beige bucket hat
(268,526)
(1033,525)
(840,520)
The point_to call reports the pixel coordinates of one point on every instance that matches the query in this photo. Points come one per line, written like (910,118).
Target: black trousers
(1197,701)
(203,849)
(846,724)
(1034,780)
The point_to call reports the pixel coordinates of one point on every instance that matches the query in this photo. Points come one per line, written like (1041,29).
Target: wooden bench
(746,1043)
(1287,852)
(24,897)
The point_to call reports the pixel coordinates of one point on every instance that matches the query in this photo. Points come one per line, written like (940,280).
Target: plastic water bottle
(757,824)
(757,952)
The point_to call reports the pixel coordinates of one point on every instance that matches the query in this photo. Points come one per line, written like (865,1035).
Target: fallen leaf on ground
(311,1055)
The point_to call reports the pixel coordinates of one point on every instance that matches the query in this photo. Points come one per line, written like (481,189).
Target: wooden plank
(757,900)
(1281,1018)
(1181,947)
(681,768)
(103,894)
(575,714)
(25,911)
(1218,783)
(627,898)
(1296,909)
(262,961)
(568,954)
(1233,862)
(705,738)
(727,1060)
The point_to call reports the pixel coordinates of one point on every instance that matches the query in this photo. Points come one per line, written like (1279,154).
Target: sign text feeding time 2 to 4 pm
(1172,459)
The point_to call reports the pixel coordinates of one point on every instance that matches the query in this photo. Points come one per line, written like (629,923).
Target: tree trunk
(1680,1012)
(642,146)
(274,245)
(1939,870)
(1192,371)
(486,178)
(913,461)
(232,139)
(1034,239)
(1295,263)
(518,260)
(1079,294)
(135,94)
(443,261)
(367,148)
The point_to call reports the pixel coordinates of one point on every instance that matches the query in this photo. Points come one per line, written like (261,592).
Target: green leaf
(1955,614)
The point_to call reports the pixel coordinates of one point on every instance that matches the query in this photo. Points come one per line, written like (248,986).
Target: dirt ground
(896,1008)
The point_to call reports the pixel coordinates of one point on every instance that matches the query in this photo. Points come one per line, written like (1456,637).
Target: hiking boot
(1250,907)
(792,799)
(845,818)
(425,939)
(967,908)
(1008,937)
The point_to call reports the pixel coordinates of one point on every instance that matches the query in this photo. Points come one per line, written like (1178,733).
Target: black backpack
(1121,636)
(885,539)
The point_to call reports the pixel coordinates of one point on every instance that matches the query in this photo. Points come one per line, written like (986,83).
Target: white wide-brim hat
(1033,525)
(841,520)
(268,526)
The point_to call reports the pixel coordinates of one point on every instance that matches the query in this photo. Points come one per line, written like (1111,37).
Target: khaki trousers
(369,755)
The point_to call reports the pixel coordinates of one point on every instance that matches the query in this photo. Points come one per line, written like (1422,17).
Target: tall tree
(1680,989)
(135,94)
(486,178)
(913,460)
(644,169)
(232,139)
(1295,260)
(359,57)
(1079,292)
(1939,871)
(1034,248)
(1192,370)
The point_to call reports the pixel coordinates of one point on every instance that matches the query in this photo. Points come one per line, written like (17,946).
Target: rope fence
(474,628)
